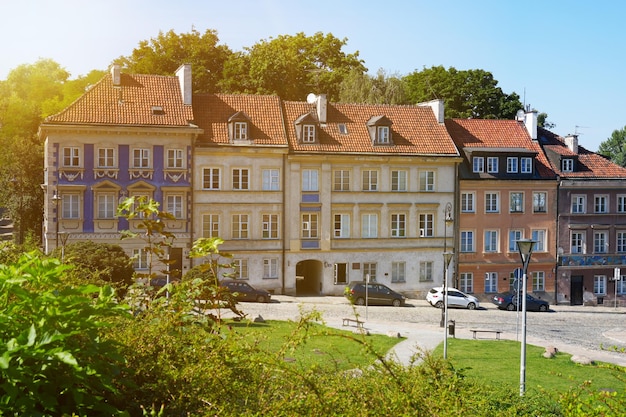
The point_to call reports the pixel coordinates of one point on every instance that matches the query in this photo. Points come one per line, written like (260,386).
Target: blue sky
(565,58)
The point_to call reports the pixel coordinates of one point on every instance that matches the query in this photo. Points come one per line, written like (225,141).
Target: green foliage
(358,87)
(52,361)
(615,147)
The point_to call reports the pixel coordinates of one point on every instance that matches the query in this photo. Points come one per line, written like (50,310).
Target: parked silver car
(456,298)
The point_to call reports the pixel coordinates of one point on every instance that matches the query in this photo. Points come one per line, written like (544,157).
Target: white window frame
(540,202)
(106,158)
(210,225)
(468,202)
(240,268)
(491,282)
(478,164)
(310,226)
(271,179)
(601,241)
(467,241)
(399,180)
(370,180)
(493,164)
(599,284)
(492,202)
(539,281)
(369,225)
(526,165)
(308,133)
(577,242)
(270,226)
(601,204)
(620,243)
(398,271)
(426,223)
(175,159)
(540,236)
(370,268)
(512,165)
(382,135)
(492,241)
(106,205)
(341,226)
(141,158)
(516,202)
(567,165)
(175,205)
(240,226)
(70,206)
(211,178)
(241,130)
(466,282)
(241,179)
(621,203)
(341,180)
(398,224)
(71,157)
(140,259)
(310,180)
(579,204)
(514,236)
(270,268)
(426,271)
(427,181)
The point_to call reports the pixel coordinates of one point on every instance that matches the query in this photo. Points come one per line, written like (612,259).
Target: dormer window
(241,131)
(239,127)
(567,165)
(527,165)
(308,133)
(158,110)
(379,128)
(306,129)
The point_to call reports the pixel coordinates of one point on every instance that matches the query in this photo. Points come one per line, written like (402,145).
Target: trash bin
(451,324)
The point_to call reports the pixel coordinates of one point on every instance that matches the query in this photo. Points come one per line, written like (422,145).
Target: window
(539,281)
(516,204)
(308,133)
(240,267)
(514,236)
(398,272)
(383,134)
(577,242)
(539,202)
(270,226)
(621,242)
(369,225)
(621,285)
(527,165)
(539,236)
(398,225)
(270,268)
(175,158)
(106,158)
(467,202)
(174,205)
(579,204)
(491,241)
(427,225)
(478,164)
(398,180)
(107,206)
(427,181)
(211,179)
(511,165)
(140,259)
(466,282)
(342,180)
(600,204)
(492,204)
(600,242)
(370,180)
(369,269)
(492,164)
(71,157)
(210,225)
(241,131)
(342,225)
(343,129)
(621,203)
(491,282)
(309,226)
(141,158)
(70,206)
(271,180)
(599,284)
(467,241)
(239,228)
(240,179)
(426,271)
(309,180)
(341,273)
(567,165)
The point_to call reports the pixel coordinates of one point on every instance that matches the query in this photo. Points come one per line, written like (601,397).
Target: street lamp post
(56,200)
(447,257)
(63,236)
(447,212)
(525,248)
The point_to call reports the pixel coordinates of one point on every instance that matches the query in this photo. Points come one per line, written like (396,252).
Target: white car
(456,298)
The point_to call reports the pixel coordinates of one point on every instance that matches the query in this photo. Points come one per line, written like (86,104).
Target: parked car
(456,298)
(509,301)
(246,292)
(377,294)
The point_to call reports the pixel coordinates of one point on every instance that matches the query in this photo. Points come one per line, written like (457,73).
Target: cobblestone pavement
(597,332)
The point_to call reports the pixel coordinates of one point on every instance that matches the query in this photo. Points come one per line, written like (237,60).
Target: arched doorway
(309,278)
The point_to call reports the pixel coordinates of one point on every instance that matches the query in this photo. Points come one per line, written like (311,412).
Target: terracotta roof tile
(129,104)
(414,130)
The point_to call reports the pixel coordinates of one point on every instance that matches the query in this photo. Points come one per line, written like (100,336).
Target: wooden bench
(357,323)
(475,331)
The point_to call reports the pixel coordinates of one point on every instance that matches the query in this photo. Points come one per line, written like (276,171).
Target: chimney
(321,104)
(438,109)
(116,75)
(572,143)
(184,78)
(530,121)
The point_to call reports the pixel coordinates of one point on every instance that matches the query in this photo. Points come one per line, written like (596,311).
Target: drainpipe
(284,222)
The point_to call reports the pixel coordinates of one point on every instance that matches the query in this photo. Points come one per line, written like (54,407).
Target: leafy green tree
(466,93)
(359,87)
(542,121)
(291,67)
(615,147)
(168,51)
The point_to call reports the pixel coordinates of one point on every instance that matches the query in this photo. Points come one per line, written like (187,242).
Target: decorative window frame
(379,128)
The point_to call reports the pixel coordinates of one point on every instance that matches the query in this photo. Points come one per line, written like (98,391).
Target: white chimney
(322,108)
(184,79)
(116,76)
(572,143)
(530,122)
(438,109)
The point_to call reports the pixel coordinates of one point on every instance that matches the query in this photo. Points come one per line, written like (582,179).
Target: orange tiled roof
(129,104)
(212,111)
(414,130)
(590,164)
(496,133)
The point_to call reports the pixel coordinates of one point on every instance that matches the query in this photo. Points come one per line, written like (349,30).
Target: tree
(467,93)
(168,51)
(615,147)
(542,121)
(359,87)
(291,67)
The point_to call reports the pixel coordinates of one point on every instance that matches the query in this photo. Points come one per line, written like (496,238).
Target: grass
(498,363)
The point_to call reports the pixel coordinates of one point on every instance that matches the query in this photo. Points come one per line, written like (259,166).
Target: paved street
(583,330)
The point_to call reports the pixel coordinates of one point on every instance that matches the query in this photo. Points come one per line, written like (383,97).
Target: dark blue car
(509,301)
